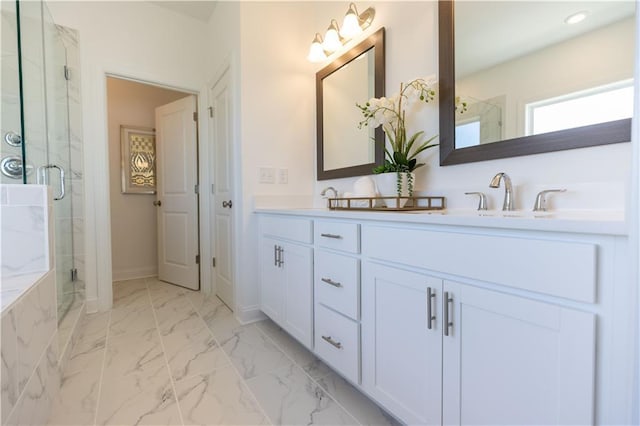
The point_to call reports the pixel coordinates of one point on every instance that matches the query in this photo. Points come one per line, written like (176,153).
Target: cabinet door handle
(275,255)
(334,236)
(280,252)
(332,342)
(431,298)
(447,323)
(331,282)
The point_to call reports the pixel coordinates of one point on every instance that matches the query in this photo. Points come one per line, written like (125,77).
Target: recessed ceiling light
(576,17)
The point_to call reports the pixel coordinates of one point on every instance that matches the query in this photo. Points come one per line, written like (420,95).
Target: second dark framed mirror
(547,64)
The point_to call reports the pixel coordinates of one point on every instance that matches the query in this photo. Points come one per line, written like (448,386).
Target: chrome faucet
(508,190)
(329,188)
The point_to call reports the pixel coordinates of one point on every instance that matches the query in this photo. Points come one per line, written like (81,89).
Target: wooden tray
(376,204)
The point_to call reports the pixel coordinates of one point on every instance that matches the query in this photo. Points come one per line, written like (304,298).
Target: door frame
(97,193)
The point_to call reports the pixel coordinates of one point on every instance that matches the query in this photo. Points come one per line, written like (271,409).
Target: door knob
(157,203)
(227,204)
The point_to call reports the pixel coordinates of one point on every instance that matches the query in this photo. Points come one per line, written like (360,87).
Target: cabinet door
(401,356)
(271,280)
(512,360)
(297,262)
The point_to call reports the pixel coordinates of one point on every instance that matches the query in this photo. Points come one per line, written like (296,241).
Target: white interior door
(222,199)
(177,201)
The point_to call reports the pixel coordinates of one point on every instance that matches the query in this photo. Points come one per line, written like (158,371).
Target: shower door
(56,170)
(47,149)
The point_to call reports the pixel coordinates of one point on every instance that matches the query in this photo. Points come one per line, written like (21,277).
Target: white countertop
(591,222)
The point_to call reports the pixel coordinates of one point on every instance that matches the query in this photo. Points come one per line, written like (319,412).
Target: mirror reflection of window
(599,105)
(526,52)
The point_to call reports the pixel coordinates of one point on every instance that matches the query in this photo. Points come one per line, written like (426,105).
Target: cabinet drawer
(337,282)
(337,342)
(288,228)
(338,236)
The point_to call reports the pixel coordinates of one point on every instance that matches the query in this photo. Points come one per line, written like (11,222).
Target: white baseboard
(135,273)
(92,306)
(249,314)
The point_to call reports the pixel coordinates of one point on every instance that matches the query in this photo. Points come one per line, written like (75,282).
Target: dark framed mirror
(358,75)
(490,50)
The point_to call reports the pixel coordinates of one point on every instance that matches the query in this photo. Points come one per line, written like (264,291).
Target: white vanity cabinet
(502,359)
(286,266)
(448,324)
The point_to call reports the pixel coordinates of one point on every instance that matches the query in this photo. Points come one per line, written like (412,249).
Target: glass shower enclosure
(41,128)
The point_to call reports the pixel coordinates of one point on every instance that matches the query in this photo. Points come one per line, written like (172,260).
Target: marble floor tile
(131,319)
(253,353)
(131,401)
(218,398)
(193,350)
(9,357)
(294,349)
(358,405)
(138,353)
(130,293)
(220,320)
(162,292)
(93,331)
(181,358)
(290,397)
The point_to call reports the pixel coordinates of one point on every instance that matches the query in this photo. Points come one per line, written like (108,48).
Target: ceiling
(492,32)
(201,10)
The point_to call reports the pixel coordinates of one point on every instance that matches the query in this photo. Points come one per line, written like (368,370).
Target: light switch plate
(283,176)
(267,175)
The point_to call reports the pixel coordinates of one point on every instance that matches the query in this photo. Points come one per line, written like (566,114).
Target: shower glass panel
(10,123)
(35,74)
(56,171)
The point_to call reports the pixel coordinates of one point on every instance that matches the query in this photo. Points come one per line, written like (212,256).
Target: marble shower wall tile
(9,355)
(34,406)
(25,243)
(36,316)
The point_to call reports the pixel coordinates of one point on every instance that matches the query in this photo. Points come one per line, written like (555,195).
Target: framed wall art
(138,149)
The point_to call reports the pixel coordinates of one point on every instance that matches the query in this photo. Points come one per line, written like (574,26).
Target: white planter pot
(387,184)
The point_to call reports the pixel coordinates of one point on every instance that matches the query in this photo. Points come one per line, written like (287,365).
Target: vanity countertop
(591,222)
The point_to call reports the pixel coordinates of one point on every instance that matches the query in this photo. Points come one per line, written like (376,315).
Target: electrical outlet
(283,176)
(267,175)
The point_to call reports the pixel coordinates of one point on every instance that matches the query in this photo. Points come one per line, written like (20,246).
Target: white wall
(138,40)
(597,178)
(134,234)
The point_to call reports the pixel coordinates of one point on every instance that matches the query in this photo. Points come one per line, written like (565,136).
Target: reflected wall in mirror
(343,149)
(531,81)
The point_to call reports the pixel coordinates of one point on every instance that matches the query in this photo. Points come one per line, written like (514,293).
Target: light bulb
(331,38)
(316,52)
(351,25)
(576,17)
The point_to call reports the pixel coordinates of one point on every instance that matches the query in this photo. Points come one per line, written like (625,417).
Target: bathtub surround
(34,346)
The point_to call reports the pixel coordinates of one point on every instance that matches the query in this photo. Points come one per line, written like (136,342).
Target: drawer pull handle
(331,282)
(332,342)
(337,237)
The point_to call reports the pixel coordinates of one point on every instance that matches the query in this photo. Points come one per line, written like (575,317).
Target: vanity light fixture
(316,52)
(332,40)
(335,37)
(576,17)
